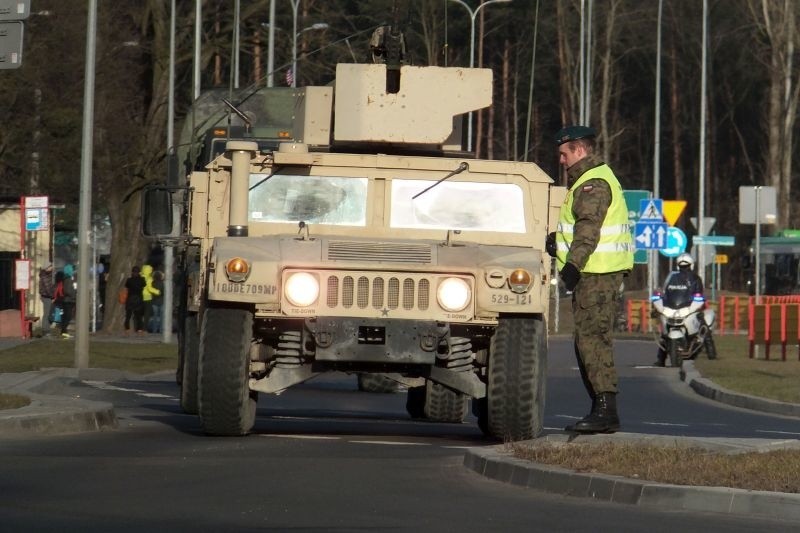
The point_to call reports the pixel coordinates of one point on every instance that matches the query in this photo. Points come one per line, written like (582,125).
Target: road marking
(105,386)
(569,416)
(390,443)
(102,385)
(777,432)
(665,424)
(304,437)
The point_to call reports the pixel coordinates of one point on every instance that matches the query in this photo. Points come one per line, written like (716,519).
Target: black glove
(570,276)
(550,244)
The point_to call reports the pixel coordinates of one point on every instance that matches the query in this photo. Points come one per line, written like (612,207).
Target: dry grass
(140,358)
(776,471)
(734,370)
(13,401)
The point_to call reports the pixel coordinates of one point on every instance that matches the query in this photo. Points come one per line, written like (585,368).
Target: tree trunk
(674,107)
(506,99)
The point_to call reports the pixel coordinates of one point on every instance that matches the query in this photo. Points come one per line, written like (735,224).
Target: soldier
(594,251)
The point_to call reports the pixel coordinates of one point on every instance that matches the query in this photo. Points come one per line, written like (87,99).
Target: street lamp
(295,35)
(472,15)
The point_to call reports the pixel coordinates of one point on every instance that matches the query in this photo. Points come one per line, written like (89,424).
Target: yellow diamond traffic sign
(673,210)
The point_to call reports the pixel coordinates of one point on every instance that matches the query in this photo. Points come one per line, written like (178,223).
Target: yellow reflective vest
(614,250)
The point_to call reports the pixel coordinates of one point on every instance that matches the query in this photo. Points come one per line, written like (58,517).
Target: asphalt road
(327,457)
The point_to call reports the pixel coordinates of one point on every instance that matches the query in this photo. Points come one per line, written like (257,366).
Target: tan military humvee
(373,246)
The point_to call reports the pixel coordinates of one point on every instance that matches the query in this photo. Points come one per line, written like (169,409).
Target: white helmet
(685,261)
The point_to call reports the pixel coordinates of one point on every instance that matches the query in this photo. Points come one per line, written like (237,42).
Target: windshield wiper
(274,171)
(461,168)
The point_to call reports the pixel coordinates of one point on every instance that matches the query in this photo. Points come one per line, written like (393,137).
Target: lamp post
(295,4)
(295,35)
(472,15)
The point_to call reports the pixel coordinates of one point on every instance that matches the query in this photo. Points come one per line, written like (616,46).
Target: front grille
(379,252)
(377,291)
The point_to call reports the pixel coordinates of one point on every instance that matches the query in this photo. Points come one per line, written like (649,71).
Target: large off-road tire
(674,359)
(443,404)
(377,383)
(227,405)
(514,405)
(711,348)
(189,348)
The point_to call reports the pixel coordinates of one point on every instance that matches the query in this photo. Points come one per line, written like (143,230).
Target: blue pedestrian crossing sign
(651,210)
(650,235)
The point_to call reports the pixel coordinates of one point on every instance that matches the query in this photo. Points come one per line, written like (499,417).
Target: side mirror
(157,208)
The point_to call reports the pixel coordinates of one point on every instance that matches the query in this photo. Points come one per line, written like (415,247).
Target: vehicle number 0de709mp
(513,299)
(245,288)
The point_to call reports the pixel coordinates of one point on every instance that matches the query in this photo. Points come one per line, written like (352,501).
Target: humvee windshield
(450,205)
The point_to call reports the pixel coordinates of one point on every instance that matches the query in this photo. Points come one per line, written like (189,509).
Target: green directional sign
(633,200)
(714,240)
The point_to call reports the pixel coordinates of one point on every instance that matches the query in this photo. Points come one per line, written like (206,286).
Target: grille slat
(379,252)
(377,291)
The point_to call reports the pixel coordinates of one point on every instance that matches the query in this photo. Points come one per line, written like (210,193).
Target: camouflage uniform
(595,298)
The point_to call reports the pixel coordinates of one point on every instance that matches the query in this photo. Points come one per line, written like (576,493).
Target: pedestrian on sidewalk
(134,305)
(154,326)
(64,299)
(148,293)
(47,287)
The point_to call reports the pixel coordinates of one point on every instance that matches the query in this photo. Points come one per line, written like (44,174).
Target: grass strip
(775,471)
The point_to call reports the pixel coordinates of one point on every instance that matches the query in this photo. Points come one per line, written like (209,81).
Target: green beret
(573,133)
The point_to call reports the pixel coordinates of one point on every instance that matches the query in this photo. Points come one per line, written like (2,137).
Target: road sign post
(758,205)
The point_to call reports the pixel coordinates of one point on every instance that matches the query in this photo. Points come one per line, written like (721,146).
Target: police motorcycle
(685,322)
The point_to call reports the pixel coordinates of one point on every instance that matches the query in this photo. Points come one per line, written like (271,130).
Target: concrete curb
(47,414)
(493,463)
(709,389)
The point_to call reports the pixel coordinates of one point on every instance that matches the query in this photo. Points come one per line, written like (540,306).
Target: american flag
(289,77)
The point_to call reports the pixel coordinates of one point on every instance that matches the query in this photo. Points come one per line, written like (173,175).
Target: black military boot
(603,419)
(592,412)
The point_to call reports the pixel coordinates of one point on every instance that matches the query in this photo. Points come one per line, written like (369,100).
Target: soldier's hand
(570,276)
(550,244)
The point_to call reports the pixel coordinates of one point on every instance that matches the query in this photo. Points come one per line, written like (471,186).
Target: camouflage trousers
(594,306)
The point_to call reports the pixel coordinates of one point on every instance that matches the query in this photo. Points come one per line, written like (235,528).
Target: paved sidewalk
(51,414)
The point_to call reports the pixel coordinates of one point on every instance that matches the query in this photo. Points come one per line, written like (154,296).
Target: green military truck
(370,243)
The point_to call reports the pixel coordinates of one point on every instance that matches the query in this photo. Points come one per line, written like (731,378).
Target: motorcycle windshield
(677,292)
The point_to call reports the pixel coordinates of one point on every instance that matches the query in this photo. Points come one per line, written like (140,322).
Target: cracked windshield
(496,207)
(311,199)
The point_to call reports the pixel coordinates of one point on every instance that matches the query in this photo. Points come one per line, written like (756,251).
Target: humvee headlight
(237,269)
(301,289)
(453,294)
(520,281)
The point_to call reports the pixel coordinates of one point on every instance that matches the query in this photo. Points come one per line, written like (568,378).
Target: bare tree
(778,22)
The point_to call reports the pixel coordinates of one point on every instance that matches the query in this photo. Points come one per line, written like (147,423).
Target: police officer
(594,251)
(680,288)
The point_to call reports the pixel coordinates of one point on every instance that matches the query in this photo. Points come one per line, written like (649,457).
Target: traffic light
(12,13)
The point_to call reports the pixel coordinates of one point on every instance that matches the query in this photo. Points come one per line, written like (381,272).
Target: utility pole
(85,208)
